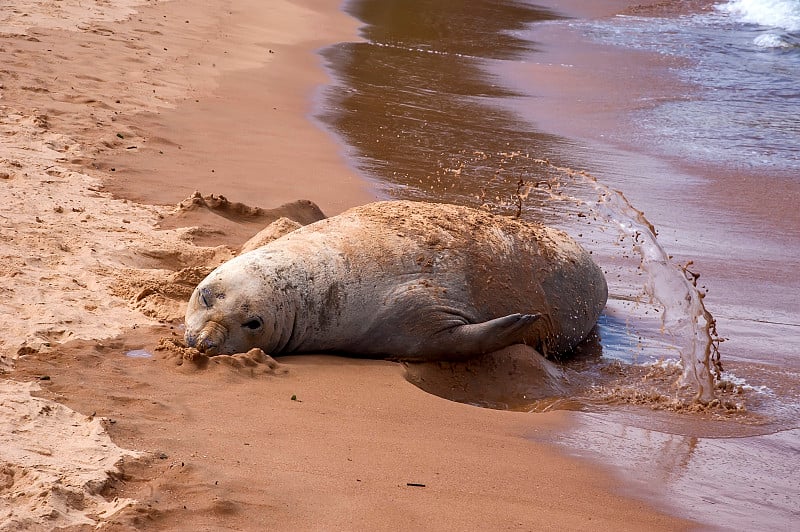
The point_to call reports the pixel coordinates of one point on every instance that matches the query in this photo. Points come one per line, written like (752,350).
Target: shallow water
(729,483)
(434,105)
(417,109)
(742,110)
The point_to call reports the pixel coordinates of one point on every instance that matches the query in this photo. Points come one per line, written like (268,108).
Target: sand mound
(162,293)
(216,220)
(254,362)
(54,463)
(516,377)
(275,230)
(302,211)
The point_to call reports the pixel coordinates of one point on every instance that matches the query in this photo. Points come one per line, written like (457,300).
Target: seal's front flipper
(475,339)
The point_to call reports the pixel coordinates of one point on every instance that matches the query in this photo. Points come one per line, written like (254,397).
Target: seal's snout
(210,339)
(190,339)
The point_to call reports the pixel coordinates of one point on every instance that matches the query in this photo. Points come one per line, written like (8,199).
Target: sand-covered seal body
(404,280)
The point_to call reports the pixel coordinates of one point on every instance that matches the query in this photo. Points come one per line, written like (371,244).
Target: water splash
(684,317)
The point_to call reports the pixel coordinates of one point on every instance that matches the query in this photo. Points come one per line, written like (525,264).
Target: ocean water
(742,62)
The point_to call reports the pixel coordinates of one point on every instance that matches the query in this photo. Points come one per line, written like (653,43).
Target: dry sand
(151,100)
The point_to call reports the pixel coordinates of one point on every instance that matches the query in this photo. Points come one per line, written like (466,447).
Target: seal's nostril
(208,347)
(210,339)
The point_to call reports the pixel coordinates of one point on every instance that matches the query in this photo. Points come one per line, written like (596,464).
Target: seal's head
(222,319)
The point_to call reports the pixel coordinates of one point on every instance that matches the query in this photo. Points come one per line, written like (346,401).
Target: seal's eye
(253,324)
(205,297)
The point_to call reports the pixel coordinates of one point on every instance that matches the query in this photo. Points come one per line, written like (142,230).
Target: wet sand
(206,96)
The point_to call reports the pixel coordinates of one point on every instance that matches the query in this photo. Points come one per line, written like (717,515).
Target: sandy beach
(112,117)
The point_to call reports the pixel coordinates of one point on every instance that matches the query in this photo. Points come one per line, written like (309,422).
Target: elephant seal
(402,280)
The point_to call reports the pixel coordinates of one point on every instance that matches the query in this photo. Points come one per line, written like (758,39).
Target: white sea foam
(738,381)
(781,14)
(771,40)
(749,74)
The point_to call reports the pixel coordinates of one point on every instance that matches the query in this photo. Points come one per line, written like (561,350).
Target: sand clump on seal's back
(406,280)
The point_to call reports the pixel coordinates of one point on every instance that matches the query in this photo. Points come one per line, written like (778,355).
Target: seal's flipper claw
(505,331)
(473,339)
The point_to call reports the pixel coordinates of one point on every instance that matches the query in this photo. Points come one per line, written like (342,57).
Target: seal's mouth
(210,339)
